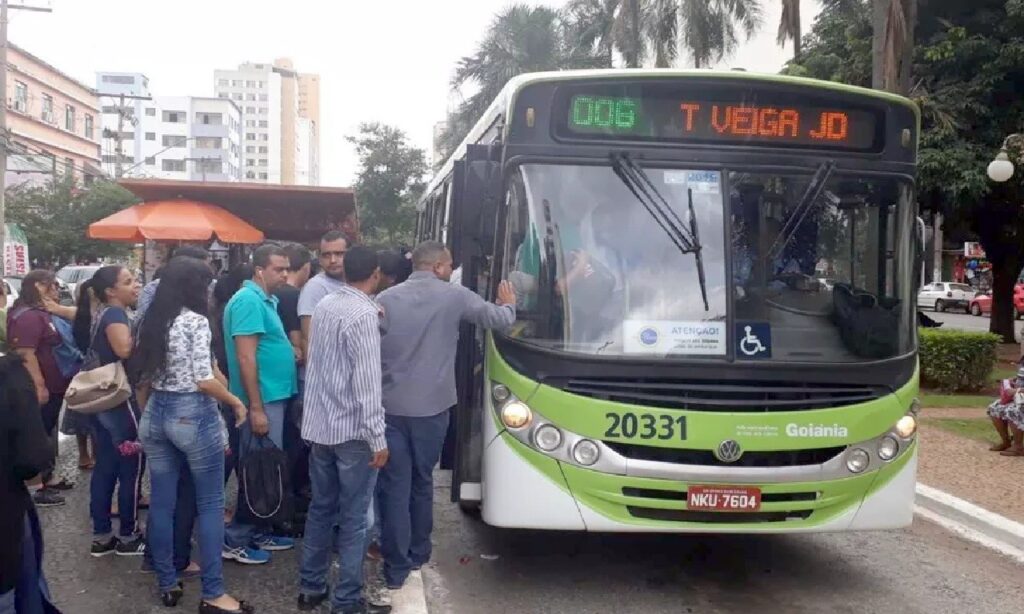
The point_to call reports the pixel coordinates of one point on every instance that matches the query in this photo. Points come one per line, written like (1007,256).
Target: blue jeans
(342,482)
(110,428)
(405,492)
(184,520)
(243,530)
(31,595)
(181,432)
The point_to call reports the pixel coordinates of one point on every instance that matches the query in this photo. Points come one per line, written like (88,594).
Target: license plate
(723,498)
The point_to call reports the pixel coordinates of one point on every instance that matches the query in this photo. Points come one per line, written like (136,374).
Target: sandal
(1012,452)
(88,465)
(999,447)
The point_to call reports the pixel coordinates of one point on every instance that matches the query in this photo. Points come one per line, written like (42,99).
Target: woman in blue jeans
(182,428)
(103,333)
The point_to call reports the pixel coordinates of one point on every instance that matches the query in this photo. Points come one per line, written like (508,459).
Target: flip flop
(88,466)
(999,447)
(1012,452)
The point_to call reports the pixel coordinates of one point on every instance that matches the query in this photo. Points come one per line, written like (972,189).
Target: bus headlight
(857,460)
(888,447)
(906,426)
(586,452)
(547,437)
(500,393)
(516,415)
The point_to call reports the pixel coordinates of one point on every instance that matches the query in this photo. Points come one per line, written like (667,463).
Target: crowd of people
(348,371)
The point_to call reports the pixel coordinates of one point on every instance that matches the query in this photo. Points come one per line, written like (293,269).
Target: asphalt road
(965,321)
(477,569)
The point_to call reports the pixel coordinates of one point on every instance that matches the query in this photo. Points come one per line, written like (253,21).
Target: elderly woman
(1007,416)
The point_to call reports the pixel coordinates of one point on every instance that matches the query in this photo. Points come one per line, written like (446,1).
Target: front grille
(675,495)
(781,458)
(650,513)
(701,395)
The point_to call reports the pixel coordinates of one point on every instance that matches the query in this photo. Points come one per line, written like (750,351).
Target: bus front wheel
(470,508)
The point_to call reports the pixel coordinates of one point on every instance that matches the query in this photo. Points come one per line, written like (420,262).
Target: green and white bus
(715,277)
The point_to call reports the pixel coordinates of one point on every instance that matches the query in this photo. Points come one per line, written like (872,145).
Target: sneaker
(274,543)
(103,547)
(47,497)
(134,546)
(376,588)
(246,556)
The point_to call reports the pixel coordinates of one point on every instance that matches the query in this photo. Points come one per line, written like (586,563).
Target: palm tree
(789,26)
(633,28)
(710,27)
(892,45)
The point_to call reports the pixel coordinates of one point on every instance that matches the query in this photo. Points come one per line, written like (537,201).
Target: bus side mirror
(920,241)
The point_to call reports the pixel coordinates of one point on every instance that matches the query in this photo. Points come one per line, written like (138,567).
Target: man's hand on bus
(380,458)
(506,294)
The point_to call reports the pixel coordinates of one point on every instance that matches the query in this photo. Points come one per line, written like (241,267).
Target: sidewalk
(967,469)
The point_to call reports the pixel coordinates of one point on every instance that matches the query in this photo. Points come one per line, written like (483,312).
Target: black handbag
(265,485)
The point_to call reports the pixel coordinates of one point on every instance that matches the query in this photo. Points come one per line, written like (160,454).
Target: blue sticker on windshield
(753,340)
(703,182)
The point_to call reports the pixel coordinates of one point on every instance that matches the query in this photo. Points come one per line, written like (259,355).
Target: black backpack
(264,483)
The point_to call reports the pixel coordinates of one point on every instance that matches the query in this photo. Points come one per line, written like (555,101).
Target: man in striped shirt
(344,421)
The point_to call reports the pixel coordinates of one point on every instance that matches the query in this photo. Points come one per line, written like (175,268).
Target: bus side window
(515,263)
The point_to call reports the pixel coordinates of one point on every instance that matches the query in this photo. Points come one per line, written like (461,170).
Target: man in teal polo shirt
(261,369)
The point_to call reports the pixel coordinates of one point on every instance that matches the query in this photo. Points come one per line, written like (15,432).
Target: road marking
(411,598)
(971,534)
(966,507)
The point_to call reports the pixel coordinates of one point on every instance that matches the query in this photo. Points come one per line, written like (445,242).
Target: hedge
(956,361)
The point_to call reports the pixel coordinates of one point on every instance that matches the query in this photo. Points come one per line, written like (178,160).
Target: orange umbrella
(174,220)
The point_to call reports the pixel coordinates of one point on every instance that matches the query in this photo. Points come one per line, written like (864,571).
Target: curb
(971,521)
(412,597)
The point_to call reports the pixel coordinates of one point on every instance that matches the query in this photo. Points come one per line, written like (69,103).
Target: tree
(710,28)
(389,182)
(56,217)
(789,26)
(969,83)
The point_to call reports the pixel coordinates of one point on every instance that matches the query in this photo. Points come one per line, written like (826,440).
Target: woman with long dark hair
(31,333)
(102,331)
(182,427)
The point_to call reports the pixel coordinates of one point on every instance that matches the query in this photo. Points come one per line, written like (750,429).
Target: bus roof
(501,105)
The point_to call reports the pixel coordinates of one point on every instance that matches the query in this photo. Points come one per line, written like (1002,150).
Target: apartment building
(53,121)
(191,138)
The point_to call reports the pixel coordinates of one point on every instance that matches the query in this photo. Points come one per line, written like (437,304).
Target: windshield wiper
(807,202)
(686,240)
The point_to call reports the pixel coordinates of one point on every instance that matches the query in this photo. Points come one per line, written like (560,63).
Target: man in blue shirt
(261,367)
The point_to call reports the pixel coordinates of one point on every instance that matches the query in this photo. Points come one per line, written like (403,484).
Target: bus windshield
(816,266)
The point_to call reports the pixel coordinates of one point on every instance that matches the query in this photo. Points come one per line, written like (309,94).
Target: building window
(151,161)
(174,117)
(250,84)
(236,83)
(236,97)
(210,119)
(264,97)
(222,82)
(264,137)
(150,112)
(264,123)
(250,136)
(262,83)
(222,95)
(264,149)
(215,166)
(69,166)
(250,162)
(250,109)
(69,118)
(263,161)
(250,175)
(174,166)
(150,136)
(250,96)
(88,126)
(209,142)
(174,140)
(263,176)
(250,123)
(20,97)
(250,149)
(47,111)
(263,110)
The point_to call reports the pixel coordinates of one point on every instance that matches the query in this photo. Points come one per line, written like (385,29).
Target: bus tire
(470,508)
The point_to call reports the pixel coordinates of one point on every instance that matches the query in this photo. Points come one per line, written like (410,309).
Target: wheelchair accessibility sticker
(753,340)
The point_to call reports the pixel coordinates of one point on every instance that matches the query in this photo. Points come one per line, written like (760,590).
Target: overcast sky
(384,60)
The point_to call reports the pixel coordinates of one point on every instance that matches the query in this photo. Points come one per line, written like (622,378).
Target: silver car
(943,295)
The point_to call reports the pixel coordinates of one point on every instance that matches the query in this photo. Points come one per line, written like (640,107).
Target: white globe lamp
(1000,169)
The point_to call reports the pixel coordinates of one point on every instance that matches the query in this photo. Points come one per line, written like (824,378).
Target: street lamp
(1001,169)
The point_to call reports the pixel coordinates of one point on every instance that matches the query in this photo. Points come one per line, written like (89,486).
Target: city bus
(715,278)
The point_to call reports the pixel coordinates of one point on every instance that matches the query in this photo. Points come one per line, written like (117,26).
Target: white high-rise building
(280,115)
(190,138)
(256,89)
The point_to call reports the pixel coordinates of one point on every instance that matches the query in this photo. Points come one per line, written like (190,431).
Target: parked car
(982,304)
(72,275)
(944,295)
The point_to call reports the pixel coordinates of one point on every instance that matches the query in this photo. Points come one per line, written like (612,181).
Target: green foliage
(956,361)
(389,181)
(56,216)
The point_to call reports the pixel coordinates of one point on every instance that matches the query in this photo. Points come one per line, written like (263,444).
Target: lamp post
(1001,168)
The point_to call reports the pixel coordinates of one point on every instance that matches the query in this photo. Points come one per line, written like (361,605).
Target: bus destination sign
(691,119)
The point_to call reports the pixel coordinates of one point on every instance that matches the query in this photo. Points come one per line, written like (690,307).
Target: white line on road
(411,598)
(971,534)
(966,507)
